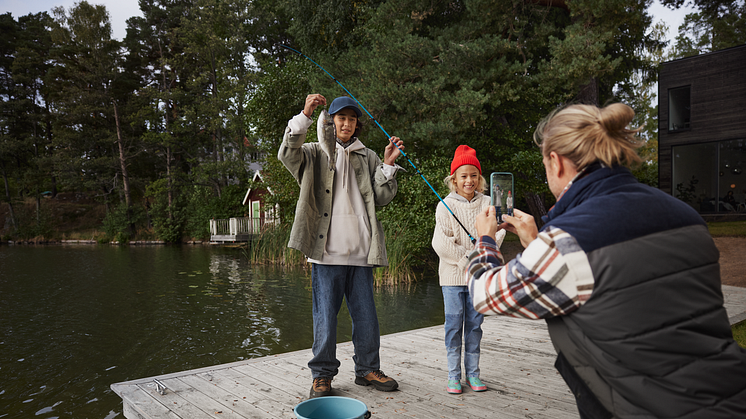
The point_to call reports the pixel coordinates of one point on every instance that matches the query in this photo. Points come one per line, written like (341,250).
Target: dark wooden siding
(718,102)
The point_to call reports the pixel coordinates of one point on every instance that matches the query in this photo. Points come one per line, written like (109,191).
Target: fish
(326,135)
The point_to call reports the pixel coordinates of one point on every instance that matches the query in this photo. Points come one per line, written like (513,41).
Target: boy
(341,182)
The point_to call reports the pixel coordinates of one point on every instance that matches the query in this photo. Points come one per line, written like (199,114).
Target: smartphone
(502,193)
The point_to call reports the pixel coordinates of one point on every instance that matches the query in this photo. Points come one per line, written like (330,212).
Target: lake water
(76,318)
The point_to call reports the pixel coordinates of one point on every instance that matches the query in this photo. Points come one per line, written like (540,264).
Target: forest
(166,128)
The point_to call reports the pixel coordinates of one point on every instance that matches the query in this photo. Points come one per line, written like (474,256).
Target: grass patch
(270,247)
(739,333)
(727,229)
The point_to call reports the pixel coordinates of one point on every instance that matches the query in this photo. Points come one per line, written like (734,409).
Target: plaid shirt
(552,277)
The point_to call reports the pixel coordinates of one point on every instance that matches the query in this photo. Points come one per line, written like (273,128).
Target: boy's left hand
(392,151)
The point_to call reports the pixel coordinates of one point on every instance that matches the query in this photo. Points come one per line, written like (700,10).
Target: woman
(626,276)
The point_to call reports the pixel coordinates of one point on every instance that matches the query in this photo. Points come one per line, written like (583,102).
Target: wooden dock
(516,365)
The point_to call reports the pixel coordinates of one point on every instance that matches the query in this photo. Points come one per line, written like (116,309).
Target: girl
(452,244)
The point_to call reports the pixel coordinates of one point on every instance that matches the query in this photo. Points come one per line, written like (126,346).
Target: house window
(694,175)
(679,108)
(709,177)
(731,180)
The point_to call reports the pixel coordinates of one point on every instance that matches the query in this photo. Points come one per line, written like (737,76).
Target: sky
(121,10)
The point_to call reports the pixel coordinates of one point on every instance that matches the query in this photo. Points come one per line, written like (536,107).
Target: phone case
(502,193)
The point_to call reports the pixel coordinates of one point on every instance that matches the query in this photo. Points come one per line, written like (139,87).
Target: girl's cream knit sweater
(450,241)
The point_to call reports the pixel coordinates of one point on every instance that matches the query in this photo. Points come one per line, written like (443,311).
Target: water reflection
(76,319)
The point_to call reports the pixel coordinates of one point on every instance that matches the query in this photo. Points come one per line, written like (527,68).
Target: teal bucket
(331,407)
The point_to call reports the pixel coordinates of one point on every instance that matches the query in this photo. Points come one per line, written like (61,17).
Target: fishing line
(473,240)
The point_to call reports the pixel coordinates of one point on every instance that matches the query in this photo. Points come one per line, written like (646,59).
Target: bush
(203,204)
(119,226)
(170,230)
(647,173)
(409,220)
(33,225)
(168,221)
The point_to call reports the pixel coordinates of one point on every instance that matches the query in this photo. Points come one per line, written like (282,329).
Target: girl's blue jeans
(330,284)
(461,320)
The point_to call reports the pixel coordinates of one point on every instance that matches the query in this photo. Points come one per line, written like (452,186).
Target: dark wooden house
(702,131)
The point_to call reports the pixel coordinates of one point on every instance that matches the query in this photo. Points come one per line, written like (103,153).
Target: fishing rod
(473,240)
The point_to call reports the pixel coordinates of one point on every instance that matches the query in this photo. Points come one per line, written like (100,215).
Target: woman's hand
(522,225)
(486,223)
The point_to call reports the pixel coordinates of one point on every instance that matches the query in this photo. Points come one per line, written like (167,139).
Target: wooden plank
(172,400)
(249,388)
(523,379)
(418,382)
(194,403)
(139,404)
(516,365)
(517,359)
(207,384)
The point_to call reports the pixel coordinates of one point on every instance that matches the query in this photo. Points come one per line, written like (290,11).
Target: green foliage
(116,224)
(168,218)
(203,204)
(284,188)
(529,175)
(479,73)
(647,173)
(33,224)
(727,229)
(409,220)
(279,96)
(81,83)
(716,25)
(685,192)
(739,334)
(195,110)
(170,230)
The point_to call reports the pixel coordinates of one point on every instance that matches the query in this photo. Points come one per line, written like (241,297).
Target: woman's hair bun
(586,134)
(616,117)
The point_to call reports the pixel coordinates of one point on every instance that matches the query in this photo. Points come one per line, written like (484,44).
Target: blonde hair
(586,133)
(481,186)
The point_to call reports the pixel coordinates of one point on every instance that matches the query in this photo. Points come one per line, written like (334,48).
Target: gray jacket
(309,166)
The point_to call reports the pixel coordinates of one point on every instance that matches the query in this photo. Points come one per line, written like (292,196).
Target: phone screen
(502,193)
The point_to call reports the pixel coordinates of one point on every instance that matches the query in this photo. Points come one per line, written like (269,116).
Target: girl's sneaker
(454,387)
(476,384)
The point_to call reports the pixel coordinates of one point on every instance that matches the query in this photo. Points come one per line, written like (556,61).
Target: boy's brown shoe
(322,386)
(378,380)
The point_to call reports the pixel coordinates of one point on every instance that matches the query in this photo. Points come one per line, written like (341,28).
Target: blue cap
(344,102)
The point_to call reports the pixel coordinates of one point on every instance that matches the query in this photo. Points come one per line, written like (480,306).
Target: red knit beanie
(465,155)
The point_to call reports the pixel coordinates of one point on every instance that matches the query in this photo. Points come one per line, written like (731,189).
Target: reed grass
(404,249)
(271,247)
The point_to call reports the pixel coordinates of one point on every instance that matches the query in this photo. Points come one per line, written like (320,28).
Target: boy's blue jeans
(330,284)
(461,319)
